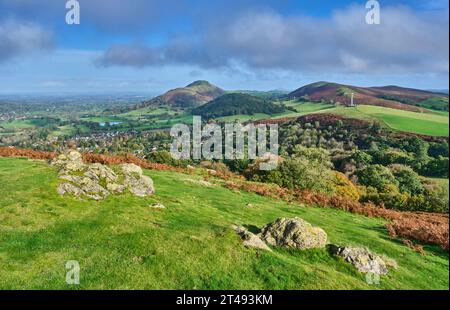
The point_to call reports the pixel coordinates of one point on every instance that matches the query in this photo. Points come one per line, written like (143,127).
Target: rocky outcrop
(294,233)
(251,240)
(136,182)
(97,181)
(364,260)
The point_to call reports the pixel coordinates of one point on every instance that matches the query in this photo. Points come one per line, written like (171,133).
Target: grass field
(121,243)
(433,124)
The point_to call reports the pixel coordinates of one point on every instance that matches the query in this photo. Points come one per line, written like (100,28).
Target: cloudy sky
(153,45)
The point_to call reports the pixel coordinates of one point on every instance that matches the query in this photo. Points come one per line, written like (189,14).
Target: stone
(97,181)
(130,169)
(157,206)
(102,172)
(140,186)
(363,260)
(67,188)
(294,233)
(115,188)
(251,240)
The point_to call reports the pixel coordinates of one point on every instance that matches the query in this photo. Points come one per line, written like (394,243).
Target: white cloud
(18,38)
(406,41)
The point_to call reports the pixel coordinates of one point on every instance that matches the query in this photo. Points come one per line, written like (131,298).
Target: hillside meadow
(433,124)
(121,243)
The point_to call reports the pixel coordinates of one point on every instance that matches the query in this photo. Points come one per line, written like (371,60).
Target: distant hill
(236,104)
(189,97)
(267,95)
(388,96)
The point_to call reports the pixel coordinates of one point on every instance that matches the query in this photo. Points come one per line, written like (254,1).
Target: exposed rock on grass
(294,233)
(97,181)
(251,240)
(157,206)
(364,260)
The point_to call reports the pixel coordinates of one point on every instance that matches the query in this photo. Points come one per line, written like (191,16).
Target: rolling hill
(237,104)
(394,97)
(191,96)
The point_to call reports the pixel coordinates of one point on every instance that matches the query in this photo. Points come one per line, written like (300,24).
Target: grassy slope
(422,123)
(122,244)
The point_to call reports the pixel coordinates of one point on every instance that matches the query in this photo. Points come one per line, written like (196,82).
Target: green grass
(121,243)
(434,124)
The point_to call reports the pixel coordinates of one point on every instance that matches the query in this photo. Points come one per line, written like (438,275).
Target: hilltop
(236,104)
(395,97)
(191,96)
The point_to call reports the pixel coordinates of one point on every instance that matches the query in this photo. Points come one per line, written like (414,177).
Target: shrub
(343,187)
(408,180)
(376,176)
(309,169)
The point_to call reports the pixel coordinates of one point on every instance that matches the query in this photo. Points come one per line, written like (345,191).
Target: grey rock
(140,186)
(294,233)
(251,240)
(97,181)
(363,260)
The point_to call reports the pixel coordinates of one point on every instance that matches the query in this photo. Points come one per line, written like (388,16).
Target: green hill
(121,243)
(237,104)
(191,96)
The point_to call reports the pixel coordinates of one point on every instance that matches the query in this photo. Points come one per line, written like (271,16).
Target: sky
(151,46)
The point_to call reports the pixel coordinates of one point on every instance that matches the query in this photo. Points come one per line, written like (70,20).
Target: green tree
(376,176)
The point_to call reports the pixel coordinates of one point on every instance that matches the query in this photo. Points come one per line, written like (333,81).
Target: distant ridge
(386,96)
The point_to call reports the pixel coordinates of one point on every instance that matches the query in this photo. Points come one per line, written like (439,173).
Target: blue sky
(151,46)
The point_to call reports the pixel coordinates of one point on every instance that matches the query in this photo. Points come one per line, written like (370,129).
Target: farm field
(433,124)
(123,244)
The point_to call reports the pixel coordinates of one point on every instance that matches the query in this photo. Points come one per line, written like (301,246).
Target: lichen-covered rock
(97,181)
(294,233)
(140,186)
(115,188)
(70,162)
(137,183)
(67,188)
(102,172)
(130,169)
(251,240)
(364,260)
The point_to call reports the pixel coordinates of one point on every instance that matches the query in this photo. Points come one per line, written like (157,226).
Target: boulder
(131,169)
(294,233)
(251,240)
(141,186)
(97,181)
(363,260)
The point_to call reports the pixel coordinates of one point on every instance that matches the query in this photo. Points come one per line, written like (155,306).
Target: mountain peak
(199,83)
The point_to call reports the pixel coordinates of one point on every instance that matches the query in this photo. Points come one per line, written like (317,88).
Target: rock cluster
(297,233)
(294,233)
(364,260)
(97,181)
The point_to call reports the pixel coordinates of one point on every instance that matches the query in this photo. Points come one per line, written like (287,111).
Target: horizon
(149,46)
